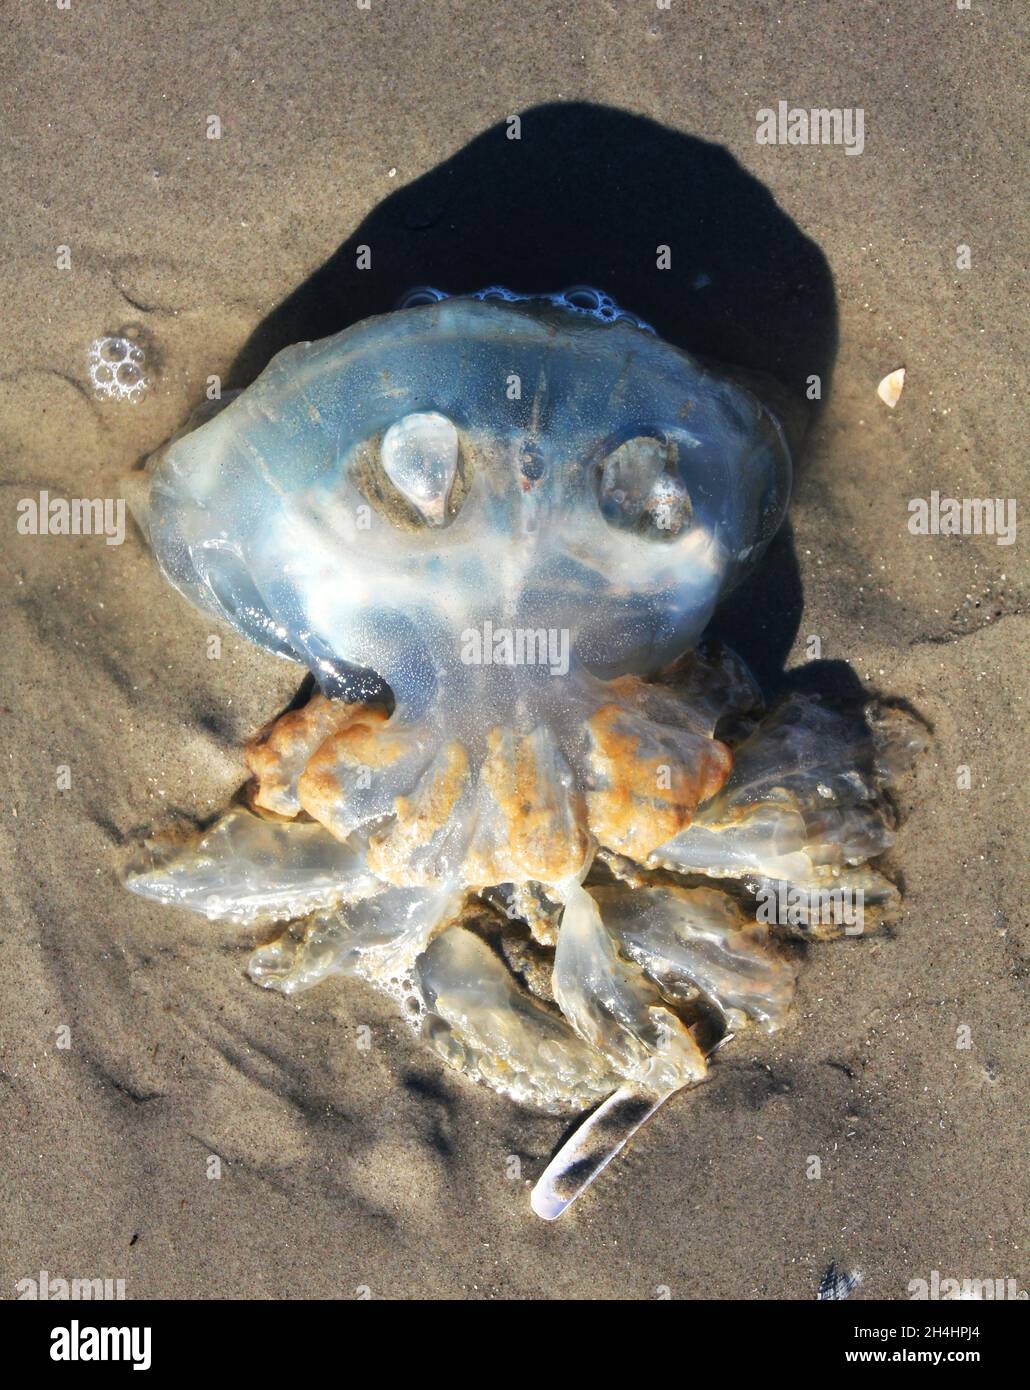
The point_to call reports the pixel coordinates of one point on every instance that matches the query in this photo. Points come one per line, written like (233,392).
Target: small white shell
(890,388)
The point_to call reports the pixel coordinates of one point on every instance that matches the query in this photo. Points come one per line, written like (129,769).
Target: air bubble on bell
(578,299)
(498,292)
(420,457)
(628,479)
(585,297)
(420,296)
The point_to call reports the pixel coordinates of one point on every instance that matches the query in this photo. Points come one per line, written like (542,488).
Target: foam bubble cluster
(117,369)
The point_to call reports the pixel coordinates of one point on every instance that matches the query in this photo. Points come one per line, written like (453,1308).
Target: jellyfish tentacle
(481,1022)
(612,1005)
(251,871)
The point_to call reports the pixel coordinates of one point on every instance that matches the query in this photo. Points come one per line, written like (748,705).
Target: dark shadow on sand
(587,195)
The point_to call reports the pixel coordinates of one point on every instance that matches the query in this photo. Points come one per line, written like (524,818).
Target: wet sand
(344,1168)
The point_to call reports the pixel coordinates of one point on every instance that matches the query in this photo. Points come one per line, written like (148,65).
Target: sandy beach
(197,179)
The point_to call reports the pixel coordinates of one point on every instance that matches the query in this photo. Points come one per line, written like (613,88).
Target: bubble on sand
(117,369)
